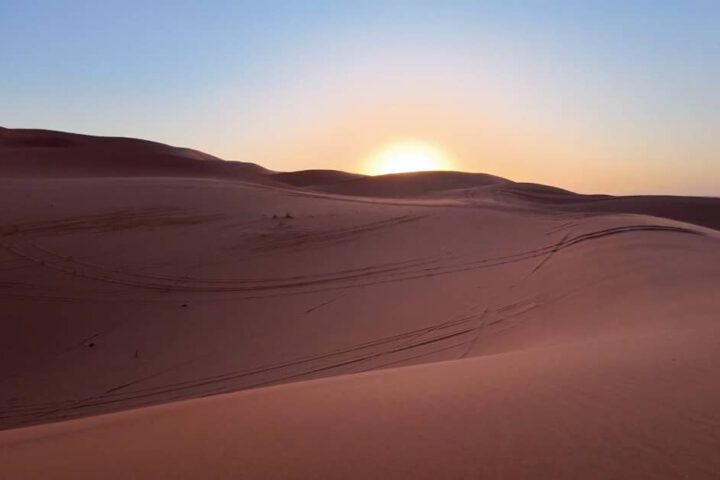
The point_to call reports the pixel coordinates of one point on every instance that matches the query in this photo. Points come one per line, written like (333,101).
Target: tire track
(353,278)
(297,240)
(112,221)
(457,327)
(465,330)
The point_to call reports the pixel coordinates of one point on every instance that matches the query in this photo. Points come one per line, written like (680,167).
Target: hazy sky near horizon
(594,96)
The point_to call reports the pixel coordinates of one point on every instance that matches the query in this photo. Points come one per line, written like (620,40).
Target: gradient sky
(594,96)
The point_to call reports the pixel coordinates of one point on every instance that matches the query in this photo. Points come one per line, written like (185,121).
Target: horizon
(598,97)
(379,174)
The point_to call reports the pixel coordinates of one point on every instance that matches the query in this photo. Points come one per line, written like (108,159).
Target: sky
(606,96)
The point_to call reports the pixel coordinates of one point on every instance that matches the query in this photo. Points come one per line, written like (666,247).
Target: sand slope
(636,407)
(466,327)
(49,154)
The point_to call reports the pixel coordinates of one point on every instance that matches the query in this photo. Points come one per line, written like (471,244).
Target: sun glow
(410,156)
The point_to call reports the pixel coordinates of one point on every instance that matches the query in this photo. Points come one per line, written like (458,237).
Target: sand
(167,314)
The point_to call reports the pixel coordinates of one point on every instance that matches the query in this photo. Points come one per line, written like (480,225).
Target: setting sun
(409,156)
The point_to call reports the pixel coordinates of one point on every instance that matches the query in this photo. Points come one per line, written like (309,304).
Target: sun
(408,156)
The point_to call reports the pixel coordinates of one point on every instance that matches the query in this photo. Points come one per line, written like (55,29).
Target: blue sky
(611,96)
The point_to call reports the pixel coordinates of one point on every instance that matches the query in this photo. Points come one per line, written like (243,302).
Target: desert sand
(168,314)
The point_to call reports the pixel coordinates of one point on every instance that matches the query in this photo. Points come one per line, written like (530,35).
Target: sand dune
(433,325)
(49,154)
(412,184)
(698,210)
(309,178)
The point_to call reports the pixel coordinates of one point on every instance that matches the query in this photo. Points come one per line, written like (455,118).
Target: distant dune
(43,153)
(168,314)
(412,184)
(310,178)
